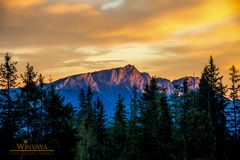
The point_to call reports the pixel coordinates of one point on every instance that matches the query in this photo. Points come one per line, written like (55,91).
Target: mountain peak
(131,69)
(129,66)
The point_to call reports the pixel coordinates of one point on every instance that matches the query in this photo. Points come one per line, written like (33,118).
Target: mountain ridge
(107,84)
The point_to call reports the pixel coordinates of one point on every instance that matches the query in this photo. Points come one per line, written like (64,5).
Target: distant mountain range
(107,84)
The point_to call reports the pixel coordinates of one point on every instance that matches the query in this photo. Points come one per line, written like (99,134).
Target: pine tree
(186,103)
(42,96)
(212,101)
(101,131)
(235,88)
(186,95)
(87,136)
(86,108)
(150,111)
(60,131)
(192,133)
(91,117)
(9,116)
(165,128)
(119,134)
(82,133)
(29,102)
(133,136)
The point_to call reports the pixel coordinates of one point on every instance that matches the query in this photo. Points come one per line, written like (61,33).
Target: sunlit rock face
(107,84)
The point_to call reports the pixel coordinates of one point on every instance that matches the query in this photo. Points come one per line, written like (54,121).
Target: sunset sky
(167,38)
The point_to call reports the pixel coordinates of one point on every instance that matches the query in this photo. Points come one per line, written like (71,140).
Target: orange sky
(165,38)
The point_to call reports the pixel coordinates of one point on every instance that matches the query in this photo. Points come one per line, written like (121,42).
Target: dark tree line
(192,123)
(34,113)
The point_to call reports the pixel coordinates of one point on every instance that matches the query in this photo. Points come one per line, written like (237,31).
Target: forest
(190,124)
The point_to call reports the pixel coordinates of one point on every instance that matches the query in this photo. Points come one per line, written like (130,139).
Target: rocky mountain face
(193,82)
(107,84)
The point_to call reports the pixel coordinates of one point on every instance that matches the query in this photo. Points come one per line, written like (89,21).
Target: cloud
(75,23)
(92,51)
(72,8)
(112,4)
(16,4)
(206,27)
(156,35)
(105,64)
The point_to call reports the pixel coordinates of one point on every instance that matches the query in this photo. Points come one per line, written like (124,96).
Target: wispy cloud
(65,8)
(206,27)
(112,4)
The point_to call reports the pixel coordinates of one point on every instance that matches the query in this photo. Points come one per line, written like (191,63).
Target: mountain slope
(193,82)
